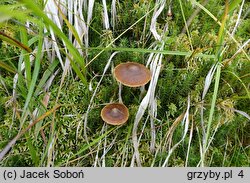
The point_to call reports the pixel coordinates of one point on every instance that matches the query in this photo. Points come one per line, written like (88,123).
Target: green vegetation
(56,75)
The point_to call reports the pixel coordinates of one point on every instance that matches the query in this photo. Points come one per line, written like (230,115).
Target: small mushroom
(132,74)
(115,114)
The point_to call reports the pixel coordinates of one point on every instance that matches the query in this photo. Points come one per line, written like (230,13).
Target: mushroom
(131,74)
(115,114)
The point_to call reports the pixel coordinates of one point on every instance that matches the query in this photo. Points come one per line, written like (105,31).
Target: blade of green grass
(12,11)
(33,150)
(41,109)
(7,67)
(24,40)
(47,73)
(35,74)
(142,50)
(184,19)
(219,55)
(233,5)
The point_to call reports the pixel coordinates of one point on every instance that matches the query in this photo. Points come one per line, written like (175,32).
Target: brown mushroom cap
(115,114)
(132,74)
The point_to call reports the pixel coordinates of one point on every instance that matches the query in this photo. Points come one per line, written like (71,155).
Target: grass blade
(7,67)
(219,54)
(34,75)
(164,52)
(72,50)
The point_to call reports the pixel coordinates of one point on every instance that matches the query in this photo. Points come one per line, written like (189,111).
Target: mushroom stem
(142,89)
(120,92)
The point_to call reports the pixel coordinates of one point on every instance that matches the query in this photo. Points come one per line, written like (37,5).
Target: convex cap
(115,114)
(132,74)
